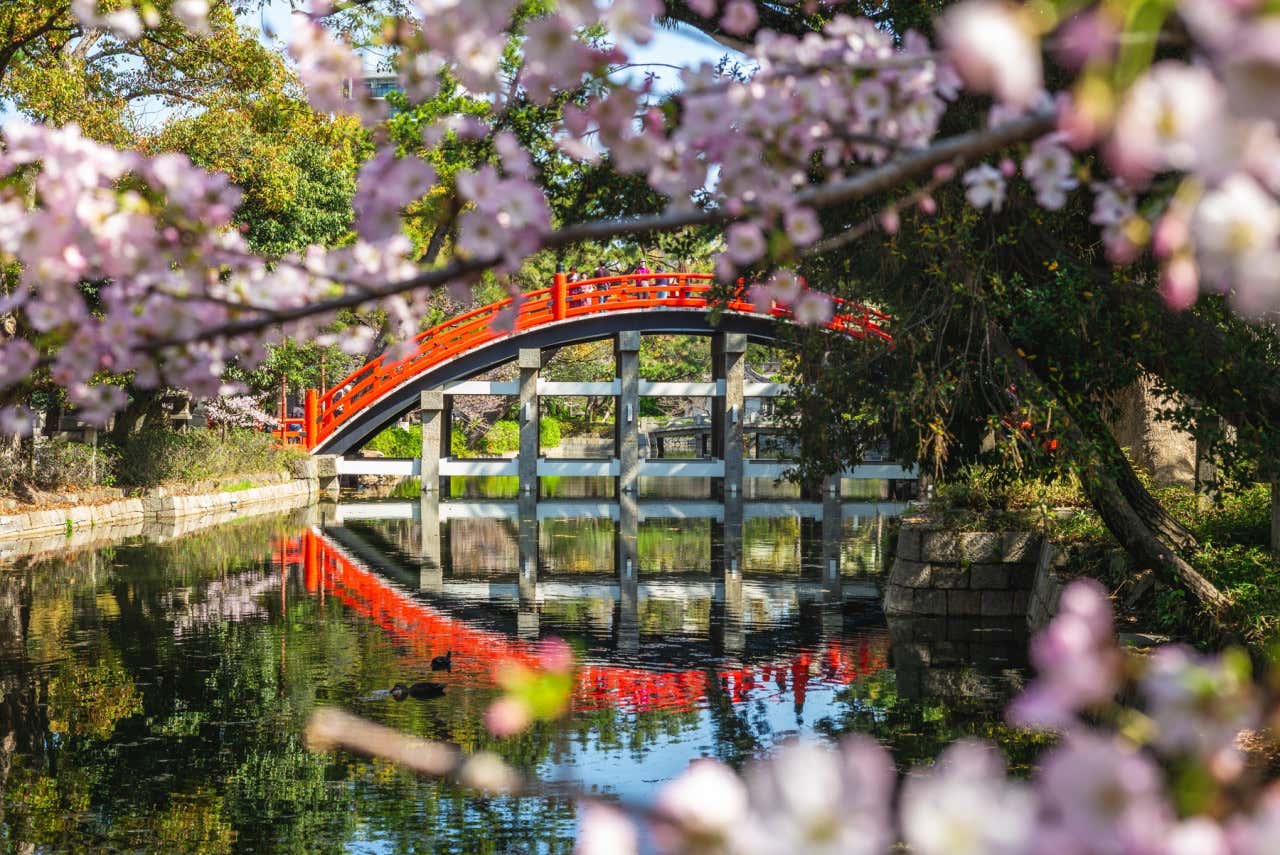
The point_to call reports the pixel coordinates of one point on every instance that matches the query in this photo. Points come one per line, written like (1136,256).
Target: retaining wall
(968,574)
(124,514)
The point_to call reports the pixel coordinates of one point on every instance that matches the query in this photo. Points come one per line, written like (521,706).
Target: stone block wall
(966,574)
(1046,586)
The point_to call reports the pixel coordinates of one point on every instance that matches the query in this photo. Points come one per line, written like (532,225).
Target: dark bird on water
(443,663)
(418,691)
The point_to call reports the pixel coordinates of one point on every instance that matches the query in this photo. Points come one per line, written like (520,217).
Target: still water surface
(154,694)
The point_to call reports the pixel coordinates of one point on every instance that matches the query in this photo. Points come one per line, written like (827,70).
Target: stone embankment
(165,511)
(937,572)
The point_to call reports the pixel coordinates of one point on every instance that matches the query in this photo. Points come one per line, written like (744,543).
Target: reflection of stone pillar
(431,570)
(527,622)
(530,361)
(627,418)
(728,633)
(728,363)
(627,559)
(832,539)
(431,402)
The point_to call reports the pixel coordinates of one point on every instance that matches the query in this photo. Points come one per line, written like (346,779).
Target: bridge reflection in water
(663,598)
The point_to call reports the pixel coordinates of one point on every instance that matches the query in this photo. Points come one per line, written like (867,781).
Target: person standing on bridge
(600,272)
(682,291)
(641,268)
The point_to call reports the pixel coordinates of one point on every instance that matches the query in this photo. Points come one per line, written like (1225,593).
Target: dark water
(154,694)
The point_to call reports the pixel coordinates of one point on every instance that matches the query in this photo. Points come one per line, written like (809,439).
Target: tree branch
(956,150)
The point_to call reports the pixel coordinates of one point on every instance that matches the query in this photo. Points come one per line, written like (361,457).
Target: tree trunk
(143,404)
(1143,541)
(1150,508)
(52,416)
(1133,516)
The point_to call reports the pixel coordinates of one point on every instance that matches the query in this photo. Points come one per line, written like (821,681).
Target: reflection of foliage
(194,824)
(87,698)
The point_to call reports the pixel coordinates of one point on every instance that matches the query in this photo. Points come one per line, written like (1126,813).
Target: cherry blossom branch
(961,148)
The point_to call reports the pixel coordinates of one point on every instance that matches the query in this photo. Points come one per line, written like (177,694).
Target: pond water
(155,693)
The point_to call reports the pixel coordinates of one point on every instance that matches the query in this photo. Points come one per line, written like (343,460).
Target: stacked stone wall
(966,574)
(940,573)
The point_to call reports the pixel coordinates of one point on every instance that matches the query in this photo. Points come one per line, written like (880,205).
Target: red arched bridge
(340,419)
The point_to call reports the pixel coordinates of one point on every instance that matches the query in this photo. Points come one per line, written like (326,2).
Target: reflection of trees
(667,545)
(177,729)
(771,545)
(88,695)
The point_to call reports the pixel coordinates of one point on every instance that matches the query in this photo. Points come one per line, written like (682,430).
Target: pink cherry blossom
(802,226)
(739,17)
(965,805)
(707,803)
(1232,223)
(1180,282)
(1170,119)
(745,242)
(993,50)
(507,716)
(813,308)
(1104,793)
(1077,663)
(985,187)
(816,799)
(605,830)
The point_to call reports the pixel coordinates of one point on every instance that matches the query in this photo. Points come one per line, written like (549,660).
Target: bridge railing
(327,411)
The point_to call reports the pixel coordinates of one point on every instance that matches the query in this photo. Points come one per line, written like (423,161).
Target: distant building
(380,83)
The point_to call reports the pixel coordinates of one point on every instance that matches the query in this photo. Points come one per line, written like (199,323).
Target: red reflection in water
(424,632)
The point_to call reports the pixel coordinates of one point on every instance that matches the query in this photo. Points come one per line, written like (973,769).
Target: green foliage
(300,363)
(56,464)
(988,497)
(156,456)
(548,432)
(396,441)
(502,438)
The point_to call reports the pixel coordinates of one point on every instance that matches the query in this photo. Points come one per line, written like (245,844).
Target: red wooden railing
(423,632)
(326,412)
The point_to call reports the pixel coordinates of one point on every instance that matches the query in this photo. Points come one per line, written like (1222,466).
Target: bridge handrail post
(311,419)
(559,296)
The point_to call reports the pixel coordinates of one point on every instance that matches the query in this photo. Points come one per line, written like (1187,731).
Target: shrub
(396,441)
(57,465)
(503,437)
(407,442)
(549,432)
(164,457)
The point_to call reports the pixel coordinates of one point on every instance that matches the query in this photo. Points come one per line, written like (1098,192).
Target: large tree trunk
(1144,542)
(1159,519)
(144,405)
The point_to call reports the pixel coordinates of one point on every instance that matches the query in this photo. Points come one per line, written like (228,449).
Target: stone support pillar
(431,570)
(530,362)
(434,439)
(627,441)
(729,363)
